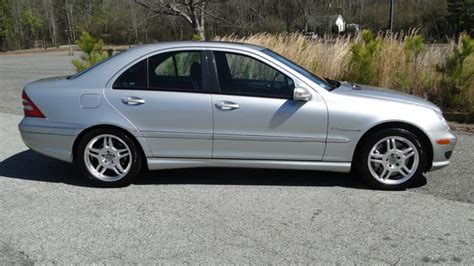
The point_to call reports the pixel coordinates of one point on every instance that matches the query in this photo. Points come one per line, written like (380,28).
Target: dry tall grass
(330,57)
(326,57)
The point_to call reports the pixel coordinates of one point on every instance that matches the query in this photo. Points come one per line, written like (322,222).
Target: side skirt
(173,163)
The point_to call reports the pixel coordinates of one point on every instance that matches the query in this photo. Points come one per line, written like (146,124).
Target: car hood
(383,94)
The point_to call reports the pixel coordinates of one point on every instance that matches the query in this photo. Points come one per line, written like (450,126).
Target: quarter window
(133,78)
(244,75)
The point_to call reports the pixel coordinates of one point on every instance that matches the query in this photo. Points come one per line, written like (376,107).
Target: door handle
(132,100)
(225,105)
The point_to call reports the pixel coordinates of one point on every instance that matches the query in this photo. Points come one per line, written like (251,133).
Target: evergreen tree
(6,27)
(461,16)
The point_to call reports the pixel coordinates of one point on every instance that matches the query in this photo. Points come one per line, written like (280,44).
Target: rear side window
(133,78)
(243,75)
(177,71)
(173,71)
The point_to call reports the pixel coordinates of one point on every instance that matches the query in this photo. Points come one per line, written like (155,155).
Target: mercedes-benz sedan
(211,104)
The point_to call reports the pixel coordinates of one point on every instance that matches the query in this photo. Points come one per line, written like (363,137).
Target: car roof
(103,71)
(210,44)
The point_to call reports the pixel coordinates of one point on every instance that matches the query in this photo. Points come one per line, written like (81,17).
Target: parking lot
(49,215)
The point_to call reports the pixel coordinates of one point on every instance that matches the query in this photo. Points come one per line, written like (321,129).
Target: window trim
(175,65)
(215,76)
(204,71)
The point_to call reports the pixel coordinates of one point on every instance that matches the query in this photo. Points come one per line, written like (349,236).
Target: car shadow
(29,165)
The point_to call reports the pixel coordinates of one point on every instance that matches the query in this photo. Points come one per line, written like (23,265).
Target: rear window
(94,66)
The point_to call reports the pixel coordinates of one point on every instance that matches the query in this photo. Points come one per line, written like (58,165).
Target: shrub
(92,49)
(408,77)
(197,38)
(413,46)
(458,74)
(363,59)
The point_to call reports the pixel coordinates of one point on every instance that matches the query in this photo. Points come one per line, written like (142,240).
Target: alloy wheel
(393,160)
(108,158)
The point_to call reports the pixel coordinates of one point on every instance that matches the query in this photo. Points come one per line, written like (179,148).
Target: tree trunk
(196,18)
(199,30)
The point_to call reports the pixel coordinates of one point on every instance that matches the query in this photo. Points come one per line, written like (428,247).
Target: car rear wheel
(392,159)
(108,157)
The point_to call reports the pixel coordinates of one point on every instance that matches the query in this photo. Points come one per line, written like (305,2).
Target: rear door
(255,116)
(167,98)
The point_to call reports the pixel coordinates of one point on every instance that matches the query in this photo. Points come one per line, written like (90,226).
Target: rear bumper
(49,138)
(441,152)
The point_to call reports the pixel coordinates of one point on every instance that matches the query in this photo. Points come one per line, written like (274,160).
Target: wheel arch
(107,126)
(403,125)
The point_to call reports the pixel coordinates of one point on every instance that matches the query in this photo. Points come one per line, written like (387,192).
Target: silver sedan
(211,104)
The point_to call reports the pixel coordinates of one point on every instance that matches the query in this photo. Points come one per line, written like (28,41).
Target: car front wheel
(392,159)
(108,157)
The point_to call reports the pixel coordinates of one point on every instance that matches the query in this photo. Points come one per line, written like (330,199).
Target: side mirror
(301,94)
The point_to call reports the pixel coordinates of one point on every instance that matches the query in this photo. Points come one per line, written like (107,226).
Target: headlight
(441,117)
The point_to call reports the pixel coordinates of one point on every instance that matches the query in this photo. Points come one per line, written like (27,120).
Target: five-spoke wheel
(391,159)
(109,157)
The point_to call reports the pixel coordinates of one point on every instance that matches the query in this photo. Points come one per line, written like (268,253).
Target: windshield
(321,82)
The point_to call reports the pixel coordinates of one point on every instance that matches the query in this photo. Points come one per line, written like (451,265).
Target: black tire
(136,158)
(362,159)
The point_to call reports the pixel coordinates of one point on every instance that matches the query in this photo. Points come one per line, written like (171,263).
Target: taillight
(29,108)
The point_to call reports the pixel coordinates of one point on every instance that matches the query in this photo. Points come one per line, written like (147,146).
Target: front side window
(180,71)
(321,82)
(243,75)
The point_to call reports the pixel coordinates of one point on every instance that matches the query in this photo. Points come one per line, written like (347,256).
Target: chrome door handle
(225,105)
(132,100)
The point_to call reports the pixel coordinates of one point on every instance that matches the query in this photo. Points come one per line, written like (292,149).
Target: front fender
(351,117)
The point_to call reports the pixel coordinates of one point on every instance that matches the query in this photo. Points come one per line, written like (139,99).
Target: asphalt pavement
(50,215)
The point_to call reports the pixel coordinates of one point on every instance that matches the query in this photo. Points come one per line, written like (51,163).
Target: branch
(256,12)
(213,16)
(172,9)
(179,12)
(165,12)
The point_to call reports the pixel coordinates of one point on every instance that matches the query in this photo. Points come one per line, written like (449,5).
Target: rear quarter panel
(60,102)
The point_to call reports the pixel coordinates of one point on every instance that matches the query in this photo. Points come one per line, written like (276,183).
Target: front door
(255,116)
(165,97)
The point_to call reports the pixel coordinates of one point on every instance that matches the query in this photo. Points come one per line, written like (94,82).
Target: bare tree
(193,11)
(69,8)
(51,21)
(144,21)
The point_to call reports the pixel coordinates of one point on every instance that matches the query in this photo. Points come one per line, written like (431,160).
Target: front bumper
(441,152)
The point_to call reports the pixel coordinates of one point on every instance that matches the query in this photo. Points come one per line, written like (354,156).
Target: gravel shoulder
(460,127)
